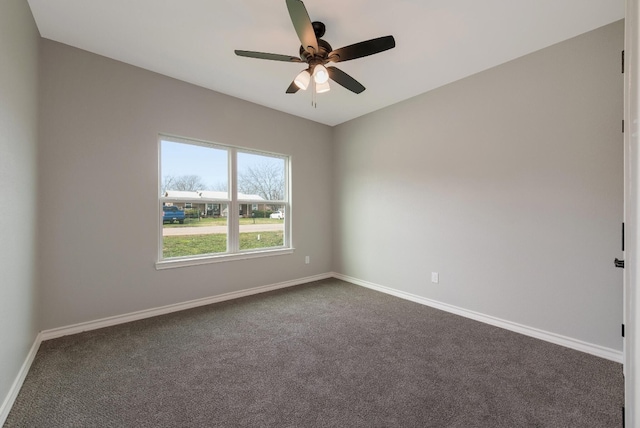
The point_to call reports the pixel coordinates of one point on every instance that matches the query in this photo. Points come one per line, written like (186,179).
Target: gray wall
(508,183)
(99,127)
(19,40)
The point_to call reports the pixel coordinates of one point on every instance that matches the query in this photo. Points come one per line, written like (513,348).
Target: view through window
(220,200)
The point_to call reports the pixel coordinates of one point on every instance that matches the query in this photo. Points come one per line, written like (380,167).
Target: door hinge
(622,236)
(622,330)
(618,263)
(623,126)
(622,62)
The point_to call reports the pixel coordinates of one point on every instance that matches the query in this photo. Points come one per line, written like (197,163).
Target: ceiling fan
(316,52)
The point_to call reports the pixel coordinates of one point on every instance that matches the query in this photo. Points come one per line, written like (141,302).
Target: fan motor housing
(320,57)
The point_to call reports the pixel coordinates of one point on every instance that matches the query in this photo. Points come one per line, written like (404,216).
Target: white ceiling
(437,42)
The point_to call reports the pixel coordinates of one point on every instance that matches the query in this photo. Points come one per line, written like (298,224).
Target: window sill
(208,259)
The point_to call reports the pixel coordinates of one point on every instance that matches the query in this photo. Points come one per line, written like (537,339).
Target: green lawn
(194,245)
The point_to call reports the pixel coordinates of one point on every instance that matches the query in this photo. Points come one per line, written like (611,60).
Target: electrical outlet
(435,278)
(306,260)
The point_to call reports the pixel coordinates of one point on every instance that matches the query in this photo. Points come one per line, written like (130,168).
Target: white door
(632,214)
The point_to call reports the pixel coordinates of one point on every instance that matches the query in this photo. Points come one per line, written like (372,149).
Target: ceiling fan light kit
(302,80)
(322,87)
(316,52)
(320,74)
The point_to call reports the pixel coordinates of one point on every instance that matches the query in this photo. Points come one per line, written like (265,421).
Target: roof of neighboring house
(243,196)
(181,194)
(208,194)
(211,194)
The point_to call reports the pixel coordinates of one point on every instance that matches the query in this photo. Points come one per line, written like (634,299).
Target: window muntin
(209,181)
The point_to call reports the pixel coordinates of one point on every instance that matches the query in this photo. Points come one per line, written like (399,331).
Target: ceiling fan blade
(263,55)
(302,24)
(366,48)
(293,88)
(342,78)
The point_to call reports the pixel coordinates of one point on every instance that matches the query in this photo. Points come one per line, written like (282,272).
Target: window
(203,184)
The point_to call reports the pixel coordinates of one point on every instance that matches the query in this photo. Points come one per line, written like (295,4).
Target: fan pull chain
(314,104)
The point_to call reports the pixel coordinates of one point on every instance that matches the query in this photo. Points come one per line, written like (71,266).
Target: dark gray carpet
(325,354)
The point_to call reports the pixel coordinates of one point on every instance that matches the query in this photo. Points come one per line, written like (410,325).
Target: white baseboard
(17,383)
(148,313)
(589,348)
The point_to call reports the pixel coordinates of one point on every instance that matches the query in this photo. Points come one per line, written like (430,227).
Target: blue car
(172,214)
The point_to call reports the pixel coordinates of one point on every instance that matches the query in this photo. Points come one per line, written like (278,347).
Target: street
(181,231)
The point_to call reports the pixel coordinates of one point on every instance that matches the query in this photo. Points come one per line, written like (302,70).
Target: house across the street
(209,203)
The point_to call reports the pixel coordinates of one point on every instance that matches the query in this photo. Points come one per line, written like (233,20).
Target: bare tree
(264,179)
(183,182)
(220,186)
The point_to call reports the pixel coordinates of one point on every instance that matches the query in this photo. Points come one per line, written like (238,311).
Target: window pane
(193,168)
(199,230)
(261,177)
(263,228)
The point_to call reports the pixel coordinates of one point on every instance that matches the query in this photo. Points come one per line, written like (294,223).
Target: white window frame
(233,206)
